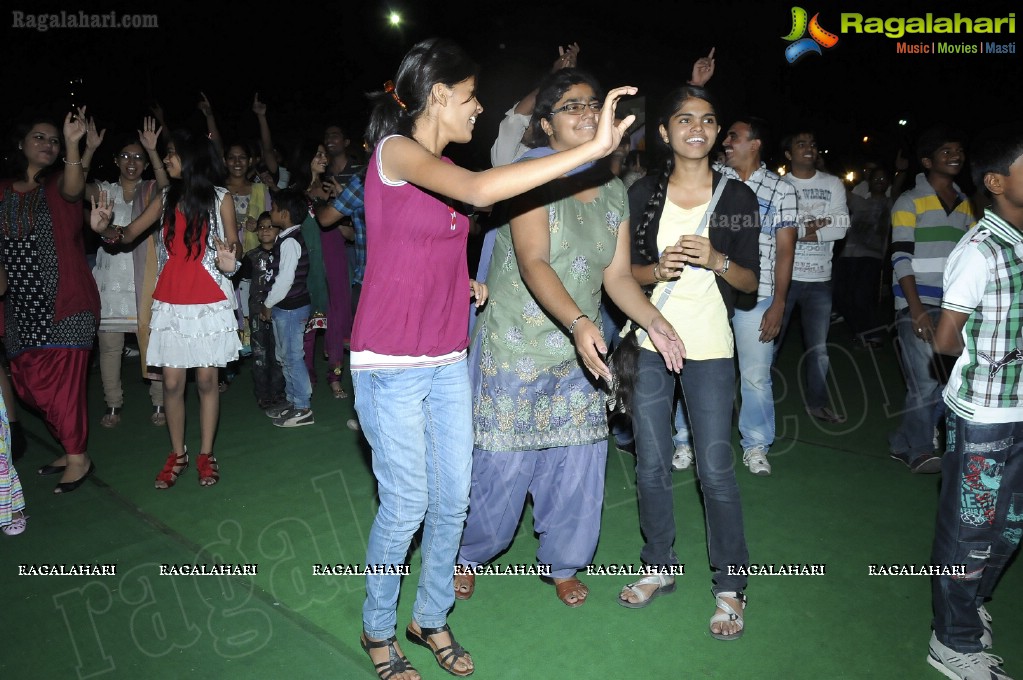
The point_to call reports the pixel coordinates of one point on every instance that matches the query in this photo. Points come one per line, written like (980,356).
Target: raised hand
(703,69)
(205,106)
(609,133)
(258,107)
(102,212)
(149,133)
(93,138)
(567,57)
(75,127)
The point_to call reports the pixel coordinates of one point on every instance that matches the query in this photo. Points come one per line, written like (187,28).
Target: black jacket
(733,228)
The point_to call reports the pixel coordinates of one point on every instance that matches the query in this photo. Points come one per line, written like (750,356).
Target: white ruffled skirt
(190,336)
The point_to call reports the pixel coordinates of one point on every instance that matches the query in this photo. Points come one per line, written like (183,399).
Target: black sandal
(396,661)
(446,657)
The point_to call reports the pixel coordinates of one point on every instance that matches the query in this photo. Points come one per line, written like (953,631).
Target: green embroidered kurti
(530,391)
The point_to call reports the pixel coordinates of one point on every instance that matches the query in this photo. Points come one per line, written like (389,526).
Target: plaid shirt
(984,279)
(350,202)
(778,210)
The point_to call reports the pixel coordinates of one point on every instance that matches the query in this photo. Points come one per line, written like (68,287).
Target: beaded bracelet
(571,327)
(117,238)
(67,162)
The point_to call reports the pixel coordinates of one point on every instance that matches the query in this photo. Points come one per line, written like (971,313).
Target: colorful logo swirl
(802,46)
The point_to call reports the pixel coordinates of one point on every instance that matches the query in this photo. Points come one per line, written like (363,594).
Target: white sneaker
(987,637)
(755,458)
(965,665)
(682,459)
(295,417)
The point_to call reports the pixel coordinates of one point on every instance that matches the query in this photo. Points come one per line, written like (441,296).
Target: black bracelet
(571,326)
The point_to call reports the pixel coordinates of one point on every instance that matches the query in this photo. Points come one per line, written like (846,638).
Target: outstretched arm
(405,159)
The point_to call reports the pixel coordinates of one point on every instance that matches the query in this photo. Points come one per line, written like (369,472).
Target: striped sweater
(923,235)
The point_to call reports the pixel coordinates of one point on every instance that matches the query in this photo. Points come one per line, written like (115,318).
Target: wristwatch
(724,267)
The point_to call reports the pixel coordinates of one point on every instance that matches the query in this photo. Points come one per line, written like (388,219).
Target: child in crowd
(193,324)
(267,375)
(287,304)
(980,517)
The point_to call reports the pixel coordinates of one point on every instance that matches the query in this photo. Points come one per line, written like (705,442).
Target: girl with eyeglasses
(535,361)
(412,390)
(115,270)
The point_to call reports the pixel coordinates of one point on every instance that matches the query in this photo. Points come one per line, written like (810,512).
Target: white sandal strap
(659,580)
(730,613)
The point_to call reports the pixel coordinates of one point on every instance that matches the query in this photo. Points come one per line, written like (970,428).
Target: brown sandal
(465,584)
(565,590)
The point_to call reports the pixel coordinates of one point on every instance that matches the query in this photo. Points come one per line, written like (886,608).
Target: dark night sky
(312,67)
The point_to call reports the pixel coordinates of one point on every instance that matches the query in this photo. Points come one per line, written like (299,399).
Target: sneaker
(755,458)
(278,409)
(965,665)
(825,414)
(295,417)
(986,638)
(130,352)
(923,464)
(353,424)
(682,459)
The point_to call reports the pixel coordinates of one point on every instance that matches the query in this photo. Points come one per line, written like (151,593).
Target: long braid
(653,207)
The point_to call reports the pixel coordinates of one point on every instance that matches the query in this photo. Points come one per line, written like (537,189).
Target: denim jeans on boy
(267,374)
(814,301)
(419,423)
(979,523)
(924,406)
(289,333)
(756,413)
(708,387)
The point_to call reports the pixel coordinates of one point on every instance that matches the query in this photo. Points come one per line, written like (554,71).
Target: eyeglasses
(131,157)
(577,108)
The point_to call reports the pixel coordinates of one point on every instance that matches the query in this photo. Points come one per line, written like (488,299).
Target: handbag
(623,361)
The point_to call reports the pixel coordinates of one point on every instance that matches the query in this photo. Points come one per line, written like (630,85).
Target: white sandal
(729,615)
(665,585)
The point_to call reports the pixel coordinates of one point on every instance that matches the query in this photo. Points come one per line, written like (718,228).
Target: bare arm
(269,159)
(948,338)
(72,182)
(211,124)
(785,255)
(404,159)
(148,136)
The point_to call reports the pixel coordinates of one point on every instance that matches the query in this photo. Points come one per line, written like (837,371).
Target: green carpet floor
(291,499)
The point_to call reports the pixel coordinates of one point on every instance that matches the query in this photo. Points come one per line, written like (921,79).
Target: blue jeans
(814,301)
(979,523)
(924,406)
(289,333)
(419,423)
(708,387)
(756,414)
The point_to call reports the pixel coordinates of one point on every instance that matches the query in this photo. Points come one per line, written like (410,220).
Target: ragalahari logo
(801,46)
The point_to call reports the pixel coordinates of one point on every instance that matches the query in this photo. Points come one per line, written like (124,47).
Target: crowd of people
(476,392)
